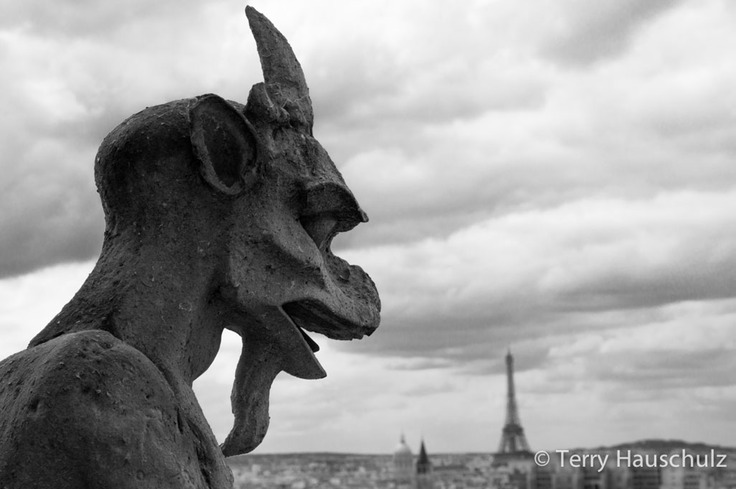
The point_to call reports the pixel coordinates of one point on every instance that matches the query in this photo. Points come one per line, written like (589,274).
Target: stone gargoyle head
(221,215)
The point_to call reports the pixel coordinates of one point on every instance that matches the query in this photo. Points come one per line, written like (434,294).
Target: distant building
(567,477)
(408,474)
(593,478)
(681,477)
(403,461)
(645,477)
(541,478)
(513,463)
(725,478)
(619,477)
(513,448)
(424,477)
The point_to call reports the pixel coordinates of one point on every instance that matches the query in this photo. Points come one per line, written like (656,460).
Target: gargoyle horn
(285,84)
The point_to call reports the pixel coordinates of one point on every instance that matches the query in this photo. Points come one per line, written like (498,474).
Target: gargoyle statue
(218,215)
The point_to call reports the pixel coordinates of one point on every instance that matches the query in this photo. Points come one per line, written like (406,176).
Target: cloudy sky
(554,177)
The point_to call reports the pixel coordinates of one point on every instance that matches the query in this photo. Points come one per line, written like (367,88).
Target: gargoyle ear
(223,142)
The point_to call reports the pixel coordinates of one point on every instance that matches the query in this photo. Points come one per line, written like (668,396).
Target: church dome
(403,464)
(402,448)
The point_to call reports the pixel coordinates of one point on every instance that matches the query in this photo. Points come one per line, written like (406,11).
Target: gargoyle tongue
(277,345)
(257,368)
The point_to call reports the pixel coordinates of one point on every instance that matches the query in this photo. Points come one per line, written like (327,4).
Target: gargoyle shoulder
(87,410)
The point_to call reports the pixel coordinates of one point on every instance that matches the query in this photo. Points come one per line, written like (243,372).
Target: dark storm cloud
(549,274)
(475,342)
(39,234)
(93,59)
(434,181)
(593,31)
(68,18)
(73,72)
(652,375)
(51,212)
(422,98)
(686,278)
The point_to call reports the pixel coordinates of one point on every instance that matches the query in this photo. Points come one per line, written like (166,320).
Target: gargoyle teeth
(312,344)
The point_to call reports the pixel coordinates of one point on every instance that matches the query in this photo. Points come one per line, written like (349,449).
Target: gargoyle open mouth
(313,316)
(260,363)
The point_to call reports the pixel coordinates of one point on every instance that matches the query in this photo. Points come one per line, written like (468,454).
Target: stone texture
(218,215)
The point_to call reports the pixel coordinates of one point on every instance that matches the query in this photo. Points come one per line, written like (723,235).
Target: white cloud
(29,302)
(588,32)
(679,242)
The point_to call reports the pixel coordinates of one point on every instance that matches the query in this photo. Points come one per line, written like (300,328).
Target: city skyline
(556,178)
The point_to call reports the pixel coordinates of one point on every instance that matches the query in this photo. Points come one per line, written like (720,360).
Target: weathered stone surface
(218,215)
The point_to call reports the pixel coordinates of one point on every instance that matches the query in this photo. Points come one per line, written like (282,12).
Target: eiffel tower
(513,441)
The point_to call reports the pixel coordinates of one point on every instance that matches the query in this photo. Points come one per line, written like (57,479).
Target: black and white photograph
(368,244)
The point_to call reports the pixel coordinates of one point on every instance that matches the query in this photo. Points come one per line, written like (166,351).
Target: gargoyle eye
(321,229)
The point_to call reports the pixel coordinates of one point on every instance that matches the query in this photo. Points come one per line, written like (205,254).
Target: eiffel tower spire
(513,440)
